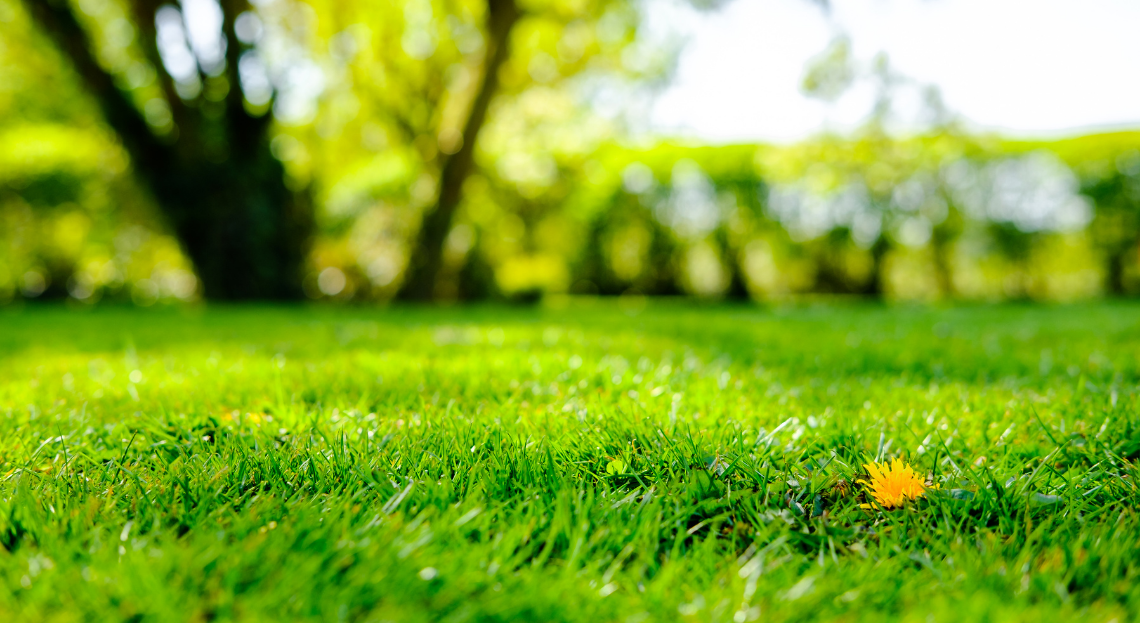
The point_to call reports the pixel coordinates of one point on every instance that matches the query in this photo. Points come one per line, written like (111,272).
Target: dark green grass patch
(589,463)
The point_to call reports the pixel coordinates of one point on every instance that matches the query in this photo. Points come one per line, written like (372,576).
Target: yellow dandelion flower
(892,484)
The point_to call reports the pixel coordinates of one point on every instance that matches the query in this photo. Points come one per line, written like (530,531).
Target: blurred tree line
(461,149)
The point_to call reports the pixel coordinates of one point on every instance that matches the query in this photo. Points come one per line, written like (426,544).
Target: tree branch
(57,20)
(427,257)
(247,132)
(144,14)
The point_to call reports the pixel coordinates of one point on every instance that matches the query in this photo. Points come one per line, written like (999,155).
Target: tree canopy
(466,149)
(192,90)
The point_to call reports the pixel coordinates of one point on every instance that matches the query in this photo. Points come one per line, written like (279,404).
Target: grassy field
(591,463)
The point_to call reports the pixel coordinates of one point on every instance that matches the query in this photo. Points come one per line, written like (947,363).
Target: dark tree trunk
(874,285)
(737,286)
(426,261)
(244,230)
(1114,279)
(215,180)
(661,273)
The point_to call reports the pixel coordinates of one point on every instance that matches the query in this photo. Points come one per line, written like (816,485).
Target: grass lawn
(592,463)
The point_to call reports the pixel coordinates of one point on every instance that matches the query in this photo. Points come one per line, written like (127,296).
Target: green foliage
(831,73)
(371,101)
(574,464)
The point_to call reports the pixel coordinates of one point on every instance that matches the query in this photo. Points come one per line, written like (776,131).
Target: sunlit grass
(589,463)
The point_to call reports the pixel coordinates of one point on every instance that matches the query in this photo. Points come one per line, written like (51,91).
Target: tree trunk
(874,285)
(942,240)
(245,232)
(737,285)
(215,181)
(1114,280)
(426,260)
(943,267)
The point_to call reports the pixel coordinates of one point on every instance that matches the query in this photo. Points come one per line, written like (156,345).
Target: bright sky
(1022,67)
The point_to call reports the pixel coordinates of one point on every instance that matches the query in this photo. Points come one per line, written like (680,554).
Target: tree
(1115,190)
(427,253)
(457,90)
(426,76)
(198,145)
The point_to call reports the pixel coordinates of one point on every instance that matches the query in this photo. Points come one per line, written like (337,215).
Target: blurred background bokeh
(166,151)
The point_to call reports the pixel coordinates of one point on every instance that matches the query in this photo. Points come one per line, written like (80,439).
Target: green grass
(589,463)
